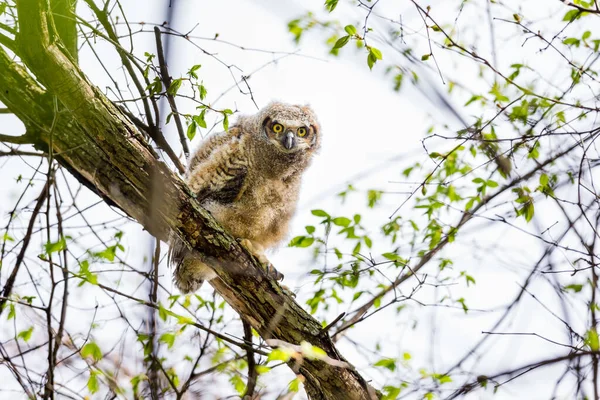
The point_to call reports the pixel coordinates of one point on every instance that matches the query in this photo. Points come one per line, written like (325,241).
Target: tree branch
(582,9)
(158,137)
(63,12)
(23,139)
(13,152)
(8,286)
(252,373)
(8,42)
(166,78)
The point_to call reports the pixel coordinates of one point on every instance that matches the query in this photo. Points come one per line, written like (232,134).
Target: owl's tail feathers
(190,272)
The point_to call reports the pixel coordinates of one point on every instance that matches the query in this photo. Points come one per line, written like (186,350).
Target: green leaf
(376,53)
(203,92)
(350,30)
(238,384)
(330,5)
(262,369)
(572,42)
(463,304)
(425,57)
(191,130)
(92,383)
(373,197)
(392,256)
(473,98)
(341,42)
(12,312)
(576,288)
(91,349)
(391,392)
(109,253)
(301,241)
(174,87)
(168,339)
(280,354)
(295,385)
(342,221)
(54,247)
(371,60)
(470,280)
(497,92)
(571,15)
(225,122)
(86,275)
(135,382)
(192,71)
(388,363)
(26,334)
(591,339)
(320,213)
(312,352)
(310,229)
(199,120)
(529,211)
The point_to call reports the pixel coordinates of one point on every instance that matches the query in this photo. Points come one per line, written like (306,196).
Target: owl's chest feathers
(263,208)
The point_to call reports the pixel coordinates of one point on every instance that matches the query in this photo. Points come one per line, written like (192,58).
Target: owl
(249,179)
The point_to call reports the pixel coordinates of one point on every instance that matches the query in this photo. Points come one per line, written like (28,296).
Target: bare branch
(166,78)
(23,139)
(8,286)
(252,373)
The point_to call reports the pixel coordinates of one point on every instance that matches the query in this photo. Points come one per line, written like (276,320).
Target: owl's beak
(289,140)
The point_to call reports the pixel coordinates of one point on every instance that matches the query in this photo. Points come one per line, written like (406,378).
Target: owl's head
(290,128)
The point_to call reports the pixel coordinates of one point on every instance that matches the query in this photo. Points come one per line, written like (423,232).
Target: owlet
(249,178)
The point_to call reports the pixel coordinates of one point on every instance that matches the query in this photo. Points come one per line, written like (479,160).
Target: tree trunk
(93,139)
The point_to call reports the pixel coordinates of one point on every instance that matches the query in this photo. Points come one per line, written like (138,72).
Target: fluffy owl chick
(249,179)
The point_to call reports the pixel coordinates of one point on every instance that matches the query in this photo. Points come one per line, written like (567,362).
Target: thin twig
(166,78)
(158,137)
(13,275)
(252,373)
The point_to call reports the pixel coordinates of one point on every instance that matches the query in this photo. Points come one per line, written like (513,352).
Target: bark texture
(64,113)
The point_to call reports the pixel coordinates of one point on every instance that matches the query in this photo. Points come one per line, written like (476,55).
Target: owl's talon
(269,268)
(272,272)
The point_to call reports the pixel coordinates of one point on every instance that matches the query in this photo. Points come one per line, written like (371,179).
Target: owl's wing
(209,144)
(219,168)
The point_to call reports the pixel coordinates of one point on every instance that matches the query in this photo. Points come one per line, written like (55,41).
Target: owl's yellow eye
(277,128)
(302,131)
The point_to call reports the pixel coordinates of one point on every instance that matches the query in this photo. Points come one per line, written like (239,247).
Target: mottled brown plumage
(249,179)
